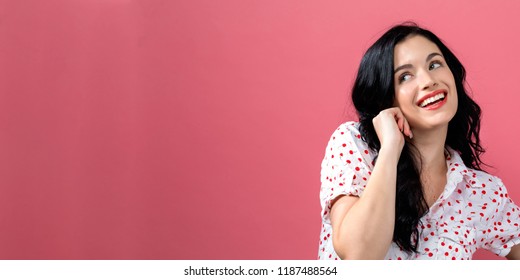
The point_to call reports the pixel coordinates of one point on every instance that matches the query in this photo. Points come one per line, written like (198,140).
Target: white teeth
(432,99)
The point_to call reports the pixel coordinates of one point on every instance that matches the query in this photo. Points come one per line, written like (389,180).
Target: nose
(427,81)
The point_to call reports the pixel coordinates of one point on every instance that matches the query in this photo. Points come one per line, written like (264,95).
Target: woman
(406,181)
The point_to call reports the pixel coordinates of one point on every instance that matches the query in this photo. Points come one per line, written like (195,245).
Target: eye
(404,77)
(435,65)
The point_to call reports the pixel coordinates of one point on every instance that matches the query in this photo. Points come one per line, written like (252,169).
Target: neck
(433,169)
(430,144)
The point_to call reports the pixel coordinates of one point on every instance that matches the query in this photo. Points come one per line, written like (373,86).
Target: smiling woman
(421,66)
(405,182)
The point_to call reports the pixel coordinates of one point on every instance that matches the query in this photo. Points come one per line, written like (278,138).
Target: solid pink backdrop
(196,129)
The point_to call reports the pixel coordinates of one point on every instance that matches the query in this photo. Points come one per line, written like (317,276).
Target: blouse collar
(457,172)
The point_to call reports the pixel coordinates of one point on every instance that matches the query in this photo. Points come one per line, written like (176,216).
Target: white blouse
(474,211)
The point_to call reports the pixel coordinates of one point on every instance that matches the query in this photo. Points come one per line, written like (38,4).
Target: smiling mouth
(433,98)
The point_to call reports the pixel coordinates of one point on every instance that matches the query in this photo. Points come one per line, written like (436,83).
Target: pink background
(196,129)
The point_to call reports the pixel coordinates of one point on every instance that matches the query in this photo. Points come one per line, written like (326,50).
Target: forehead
(414,48)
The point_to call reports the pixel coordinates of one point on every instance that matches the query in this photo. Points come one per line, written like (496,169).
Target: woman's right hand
(391,126)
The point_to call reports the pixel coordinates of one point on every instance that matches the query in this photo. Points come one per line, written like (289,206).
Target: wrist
(389,154)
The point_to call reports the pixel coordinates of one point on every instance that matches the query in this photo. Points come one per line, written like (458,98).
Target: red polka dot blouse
(474,211)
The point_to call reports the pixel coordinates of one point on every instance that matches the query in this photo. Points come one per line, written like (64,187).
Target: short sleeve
(502,230)
(346,167)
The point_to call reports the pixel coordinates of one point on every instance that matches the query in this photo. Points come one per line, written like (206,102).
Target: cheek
(404,97)
(447,76)
(396,94)
(455,100)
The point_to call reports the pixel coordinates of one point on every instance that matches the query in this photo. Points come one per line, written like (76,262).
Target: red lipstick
(436,105)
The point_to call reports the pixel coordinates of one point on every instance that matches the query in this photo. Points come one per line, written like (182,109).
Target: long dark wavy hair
(373,91)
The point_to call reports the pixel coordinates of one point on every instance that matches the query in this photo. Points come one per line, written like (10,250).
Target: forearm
(366,230)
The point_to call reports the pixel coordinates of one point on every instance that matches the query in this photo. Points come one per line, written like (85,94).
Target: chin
(440,119)
(432,123)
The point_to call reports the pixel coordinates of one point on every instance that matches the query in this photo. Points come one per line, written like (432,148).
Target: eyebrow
(428,58)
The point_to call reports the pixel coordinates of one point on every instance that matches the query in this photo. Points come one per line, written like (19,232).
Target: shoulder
(347,128)
(485,187)
(346,146)
(473,179)
(482,179)
(346,140)
(476,185)
(347,133)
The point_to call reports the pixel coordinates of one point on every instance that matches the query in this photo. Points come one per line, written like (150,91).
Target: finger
(400,121)
(398,115)
(407,129)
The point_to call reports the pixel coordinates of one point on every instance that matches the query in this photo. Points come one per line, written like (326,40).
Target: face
(425,89)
